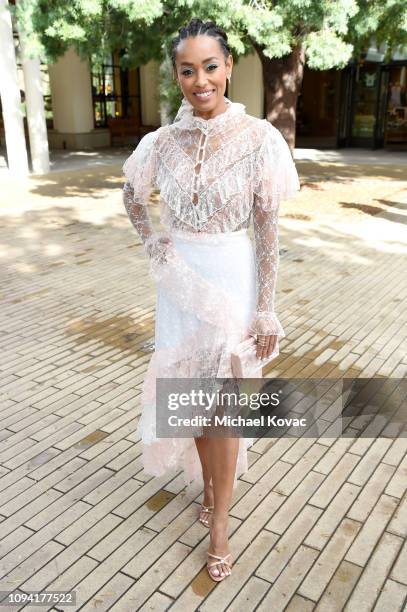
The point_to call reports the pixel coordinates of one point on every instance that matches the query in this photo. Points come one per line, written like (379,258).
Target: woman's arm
(275,179)
(140,171)
(154,242)
(265,225)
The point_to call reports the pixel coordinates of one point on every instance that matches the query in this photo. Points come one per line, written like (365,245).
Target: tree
(286,34)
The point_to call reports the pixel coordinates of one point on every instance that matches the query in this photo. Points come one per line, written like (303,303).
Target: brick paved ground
(317,524)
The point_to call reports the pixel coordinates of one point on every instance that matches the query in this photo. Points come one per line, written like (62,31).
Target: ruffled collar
(185,117)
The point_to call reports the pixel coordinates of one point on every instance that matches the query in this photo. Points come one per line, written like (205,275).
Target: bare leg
(202,445)
(222,458)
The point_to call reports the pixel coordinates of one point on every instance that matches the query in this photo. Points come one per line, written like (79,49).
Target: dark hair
(196,27)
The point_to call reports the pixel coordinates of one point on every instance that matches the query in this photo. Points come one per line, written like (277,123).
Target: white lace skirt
(206,299)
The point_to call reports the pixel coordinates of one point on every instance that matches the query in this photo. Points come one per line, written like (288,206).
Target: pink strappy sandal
(219,562)
(208,510)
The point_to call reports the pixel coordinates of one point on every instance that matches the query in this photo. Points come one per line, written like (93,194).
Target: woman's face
(202,68)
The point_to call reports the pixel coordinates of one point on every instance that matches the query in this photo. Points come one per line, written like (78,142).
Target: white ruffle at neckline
(185,117)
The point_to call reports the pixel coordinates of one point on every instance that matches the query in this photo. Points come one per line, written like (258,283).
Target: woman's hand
(265,346)
(266,329)
(157,247)
(162,245)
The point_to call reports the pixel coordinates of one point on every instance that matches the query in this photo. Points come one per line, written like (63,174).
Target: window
(365,100)
(396,115)
(46,90)
(115,92)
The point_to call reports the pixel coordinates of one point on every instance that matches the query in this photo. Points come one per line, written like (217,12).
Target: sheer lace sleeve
(140,172)
(275,179)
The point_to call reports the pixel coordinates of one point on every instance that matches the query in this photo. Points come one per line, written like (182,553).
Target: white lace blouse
(213,176)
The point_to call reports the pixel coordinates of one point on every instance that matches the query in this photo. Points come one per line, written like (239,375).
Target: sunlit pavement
(316,524)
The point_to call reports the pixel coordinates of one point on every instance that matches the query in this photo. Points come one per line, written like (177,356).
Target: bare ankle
(207,495)
(220,521)
(219,541)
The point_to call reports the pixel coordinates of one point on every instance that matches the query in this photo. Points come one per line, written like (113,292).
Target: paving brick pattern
(316,524)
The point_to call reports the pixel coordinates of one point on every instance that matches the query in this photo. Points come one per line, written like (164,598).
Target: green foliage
(329,31)
(326,48)
(385,19)
(169,92)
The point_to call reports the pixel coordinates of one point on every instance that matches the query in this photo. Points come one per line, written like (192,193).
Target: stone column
(10,97)
(72,107)
(71,94)
(37,126)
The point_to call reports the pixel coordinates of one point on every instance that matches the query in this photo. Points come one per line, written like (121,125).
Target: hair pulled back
(196,27)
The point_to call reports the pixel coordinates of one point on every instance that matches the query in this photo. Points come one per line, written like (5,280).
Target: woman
(215,167)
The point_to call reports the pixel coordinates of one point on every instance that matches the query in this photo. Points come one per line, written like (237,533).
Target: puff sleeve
(275,179)
(140,170)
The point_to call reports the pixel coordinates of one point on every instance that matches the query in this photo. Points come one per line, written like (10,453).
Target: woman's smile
(205,95)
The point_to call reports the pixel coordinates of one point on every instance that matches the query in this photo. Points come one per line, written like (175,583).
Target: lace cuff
(266,324)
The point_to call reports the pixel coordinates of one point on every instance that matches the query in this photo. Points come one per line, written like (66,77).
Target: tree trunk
(282,78)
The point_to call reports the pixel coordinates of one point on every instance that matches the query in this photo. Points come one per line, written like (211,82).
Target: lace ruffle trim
(277,178)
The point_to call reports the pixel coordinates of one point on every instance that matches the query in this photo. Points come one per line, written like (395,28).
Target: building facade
(362,105)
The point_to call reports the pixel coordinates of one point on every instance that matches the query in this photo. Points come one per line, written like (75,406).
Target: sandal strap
(222,562)
(221,559)
(217,557)
(207,509)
